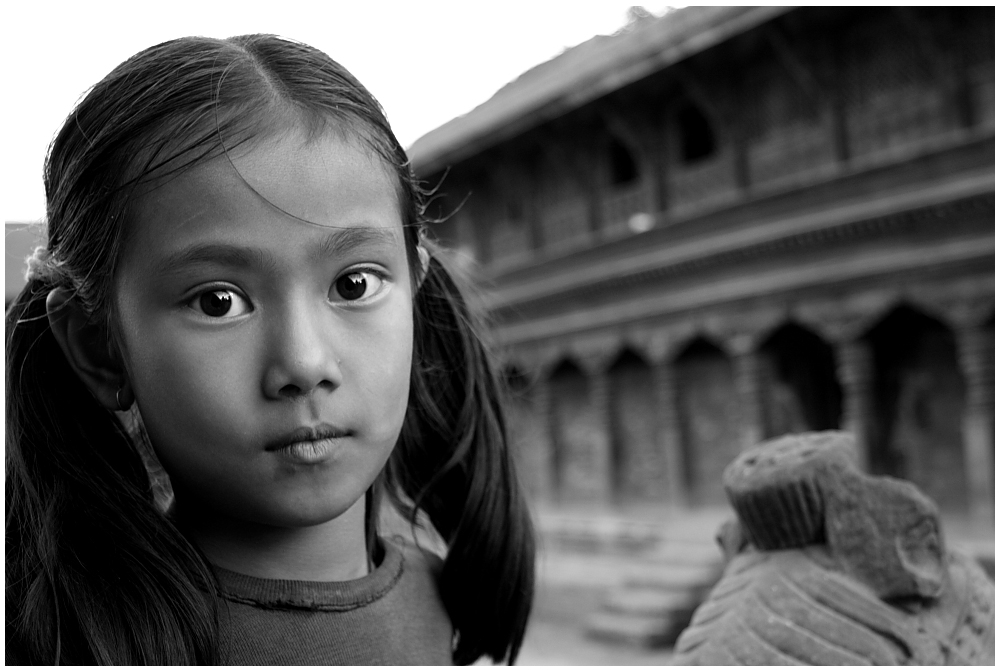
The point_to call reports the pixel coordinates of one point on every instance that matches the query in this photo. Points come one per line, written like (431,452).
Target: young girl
(236,265)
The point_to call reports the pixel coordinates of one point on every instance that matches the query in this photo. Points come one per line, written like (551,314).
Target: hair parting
(96,571)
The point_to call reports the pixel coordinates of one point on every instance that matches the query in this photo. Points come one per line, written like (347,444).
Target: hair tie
(39,265)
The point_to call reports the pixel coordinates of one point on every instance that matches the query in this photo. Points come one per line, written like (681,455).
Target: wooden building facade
(725,224)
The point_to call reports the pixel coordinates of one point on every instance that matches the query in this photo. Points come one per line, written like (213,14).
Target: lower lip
(309,452)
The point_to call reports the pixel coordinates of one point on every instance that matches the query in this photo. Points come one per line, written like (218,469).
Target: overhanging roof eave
(489,124)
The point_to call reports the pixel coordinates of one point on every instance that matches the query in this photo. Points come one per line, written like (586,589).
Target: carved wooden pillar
(855,372)
(973,354)
(523,183)
(602,474)
(749,386)
(669,431)
(545,459)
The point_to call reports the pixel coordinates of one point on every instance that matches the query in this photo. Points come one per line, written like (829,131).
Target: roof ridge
(574,77)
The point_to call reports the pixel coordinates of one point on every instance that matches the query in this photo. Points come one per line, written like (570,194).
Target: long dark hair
(96,573)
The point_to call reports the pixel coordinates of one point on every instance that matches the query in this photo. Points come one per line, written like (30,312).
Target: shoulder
(418,611)
(416,558)
(421,573)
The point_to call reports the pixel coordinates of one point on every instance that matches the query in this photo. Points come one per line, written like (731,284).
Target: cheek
(199,386)
(164,363)
(384,372)
(189,395)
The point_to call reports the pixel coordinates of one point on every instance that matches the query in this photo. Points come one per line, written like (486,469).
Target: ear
(425,260)
(85,346)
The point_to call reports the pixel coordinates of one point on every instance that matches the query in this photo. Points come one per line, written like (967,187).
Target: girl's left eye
(220,303)
(357,285)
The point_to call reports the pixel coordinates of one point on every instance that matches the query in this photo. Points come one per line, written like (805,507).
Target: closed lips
(307,434)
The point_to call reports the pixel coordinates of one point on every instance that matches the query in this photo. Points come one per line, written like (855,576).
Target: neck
(333,551)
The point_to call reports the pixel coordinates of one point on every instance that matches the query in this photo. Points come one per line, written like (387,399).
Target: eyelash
(363,270)
(195,302)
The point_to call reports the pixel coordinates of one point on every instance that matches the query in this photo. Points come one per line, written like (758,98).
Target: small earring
(118,398)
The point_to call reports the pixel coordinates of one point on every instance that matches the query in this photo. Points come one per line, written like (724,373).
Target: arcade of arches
(630,428)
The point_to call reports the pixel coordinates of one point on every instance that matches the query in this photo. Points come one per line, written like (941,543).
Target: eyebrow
(340,242)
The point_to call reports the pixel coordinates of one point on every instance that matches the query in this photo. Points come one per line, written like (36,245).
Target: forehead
(329,181)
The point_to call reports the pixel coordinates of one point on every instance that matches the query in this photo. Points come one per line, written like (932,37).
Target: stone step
(597,531)
(578,535)
(601,571)
(566,604)
(673,577)
(633,581)
(632,629)
(653,602)
(685,553)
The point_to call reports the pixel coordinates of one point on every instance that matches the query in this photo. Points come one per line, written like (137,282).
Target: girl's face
(270,358)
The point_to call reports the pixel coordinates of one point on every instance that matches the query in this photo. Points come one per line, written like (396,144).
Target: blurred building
(725,224)
(20,240)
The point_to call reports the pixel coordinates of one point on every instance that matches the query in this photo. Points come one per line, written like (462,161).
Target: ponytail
(453,462)
(95,573)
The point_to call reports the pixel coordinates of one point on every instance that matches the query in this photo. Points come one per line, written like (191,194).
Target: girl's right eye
(220,303)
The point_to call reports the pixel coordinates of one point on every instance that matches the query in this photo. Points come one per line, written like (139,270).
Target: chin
(312,513)
(307,518)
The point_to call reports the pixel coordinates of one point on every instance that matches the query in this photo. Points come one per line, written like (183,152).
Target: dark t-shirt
(392,616)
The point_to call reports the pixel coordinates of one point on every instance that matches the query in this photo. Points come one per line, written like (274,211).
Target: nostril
(289,391)
(296,391)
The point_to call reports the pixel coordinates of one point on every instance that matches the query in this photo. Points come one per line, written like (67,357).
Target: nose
(302,355)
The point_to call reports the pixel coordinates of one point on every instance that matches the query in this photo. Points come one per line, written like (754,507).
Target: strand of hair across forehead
(266,76)
(222,140)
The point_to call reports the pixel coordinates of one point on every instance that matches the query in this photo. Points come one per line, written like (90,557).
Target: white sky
(426,61)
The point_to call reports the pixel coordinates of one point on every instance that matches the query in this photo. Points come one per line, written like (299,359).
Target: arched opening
(708,413)
(697,138)
(637,464)
(919,404)
(623,167)
(801,391)
(626,196)
(571,418)
(525,431)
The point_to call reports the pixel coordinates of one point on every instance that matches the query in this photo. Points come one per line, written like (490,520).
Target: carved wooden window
(562,207)
(784,129)
(774,102)
(705,174)
(891,95)
(626,197)
(974,37)
(623,168)
(697,139)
